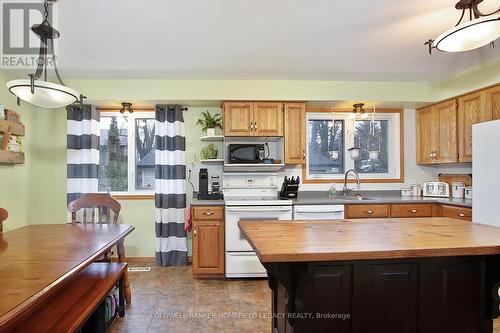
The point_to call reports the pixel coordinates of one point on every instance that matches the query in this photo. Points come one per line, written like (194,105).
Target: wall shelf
(212,138)
(15,129)
(8,157)
(213,160)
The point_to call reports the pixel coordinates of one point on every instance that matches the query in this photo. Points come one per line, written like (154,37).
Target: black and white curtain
(170,186)
(83,150)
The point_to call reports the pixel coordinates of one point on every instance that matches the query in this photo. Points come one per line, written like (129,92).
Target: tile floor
(171,291)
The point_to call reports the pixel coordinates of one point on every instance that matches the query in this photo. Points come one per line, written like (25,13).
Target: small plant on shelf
(209,122)
(209,152)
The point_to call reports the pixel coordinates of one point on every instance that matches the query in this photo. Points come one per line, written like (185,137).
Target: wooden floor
(171,291)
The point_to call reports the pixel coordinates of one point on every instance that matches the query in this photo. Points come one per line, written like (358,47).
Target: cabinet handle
(255,125)
(303,154)
(461,214)
(251,125)
(412,211)
(369,211)
(208,214)
(194,233)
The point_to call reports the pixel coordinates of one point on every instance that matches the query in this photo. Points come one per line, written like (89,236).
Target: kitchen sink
(352,198)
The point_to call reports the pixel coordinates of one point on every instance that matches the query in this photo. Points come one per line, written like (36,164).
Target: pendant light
(358,109)
(481,29)
(41,92)
(126,106)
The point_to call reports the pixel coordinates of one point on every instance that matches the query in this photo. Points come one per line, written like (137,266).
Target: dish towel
(187,220)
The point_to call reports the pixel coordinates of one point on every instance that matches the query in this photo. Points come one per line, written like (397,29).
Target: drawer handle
(208,214)
(461,214)
(369,211)
(412,211)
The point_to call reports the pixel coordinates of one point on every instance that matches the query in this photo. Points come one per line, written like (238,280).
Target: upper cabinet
(444,130)
(471,110)
(436,133)
(295,133)
(253,119)
(493,101)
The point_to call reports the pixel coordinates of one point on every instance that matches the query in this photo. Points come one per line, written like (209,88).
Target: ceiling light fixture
(126,106)
(481,29)
(41,92)
(358,109)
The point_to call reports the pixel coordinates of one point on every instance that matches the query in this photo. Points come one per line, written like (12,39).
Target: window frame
(139,113)
(396,156)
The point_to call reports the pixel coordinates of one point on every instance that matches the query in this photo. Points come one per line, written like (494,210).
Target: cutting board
(458,177)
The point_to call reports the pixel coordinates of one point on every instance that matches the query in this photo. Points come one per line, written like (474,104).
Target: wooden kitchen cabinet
(411,210)
(238,119)
(493,101)
(366,211)
(472,109)
(253,119)
(295,133)
(460,213)
(208,241)
(437,133)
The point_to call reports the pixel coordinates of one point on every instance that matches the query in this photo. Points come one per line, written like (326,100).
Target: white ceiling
(260,39)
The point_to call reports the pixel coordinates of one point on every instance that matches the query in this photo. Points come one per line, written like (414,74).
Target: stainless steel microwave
(245,153)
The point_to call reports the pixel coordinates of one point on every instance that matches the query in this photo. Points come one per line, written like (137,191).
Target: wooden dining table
(38,260)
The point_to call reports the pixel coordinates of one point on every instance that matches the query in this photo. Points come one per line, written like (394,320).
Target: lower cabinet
(407,210)
(459,213)
(208,241)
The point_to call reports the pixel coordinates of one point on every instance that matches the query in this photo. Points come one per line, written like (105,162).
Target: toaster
(436,189)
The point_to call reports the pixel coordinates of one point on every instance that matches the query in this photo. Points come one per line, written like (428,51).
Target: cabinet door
(493,101)
(385,298)
(447,131)
(208,247)
(460,213)
(427,135)
(268,119)
(238,119)
(295,133)
(471,110)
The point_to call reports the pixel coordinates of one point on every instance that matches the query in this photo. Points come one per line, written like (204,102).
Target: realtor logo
(19,45)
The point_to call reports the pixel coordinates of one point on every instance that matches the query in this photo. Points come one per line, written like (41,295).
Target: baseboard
(145,260)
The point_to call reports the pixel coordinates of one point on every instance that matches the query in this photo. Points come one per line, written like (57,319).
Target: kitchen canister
(416,190)
(458,190)
(468,192)
(406,192)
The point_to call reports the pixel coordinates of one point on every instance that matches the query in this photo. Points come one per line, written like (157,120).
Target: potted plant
(209,152)
(209,122)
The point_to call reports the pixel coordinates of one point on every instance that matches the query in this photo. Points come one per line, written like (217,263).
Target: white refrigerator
(486,173)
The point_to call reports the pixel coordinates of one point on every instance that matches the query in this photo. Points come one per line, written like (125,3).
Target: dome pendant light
(41,92)
(480,30)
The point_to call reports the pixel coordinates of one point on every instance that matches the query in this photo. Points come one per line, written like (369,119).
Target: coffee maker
(203,193)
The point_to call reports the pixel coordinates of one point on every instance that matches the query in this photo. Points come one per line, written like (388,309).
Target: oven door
(235,240)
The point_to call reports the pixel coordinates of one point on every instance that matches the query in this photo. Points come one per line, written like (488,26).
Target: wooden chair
(100,205)
(3,217)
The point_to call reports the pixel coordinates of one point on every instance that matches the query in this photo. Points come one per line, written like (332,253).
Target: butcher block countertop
(392,238)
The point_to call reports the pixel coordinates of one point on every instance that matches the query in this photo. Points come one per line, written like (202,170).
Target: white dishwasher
(318,212)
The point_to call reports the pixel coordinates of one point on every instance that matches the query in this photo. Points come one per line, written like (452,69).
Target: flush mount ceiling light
(41,92)
(481,29)
(126,106)
(358,109)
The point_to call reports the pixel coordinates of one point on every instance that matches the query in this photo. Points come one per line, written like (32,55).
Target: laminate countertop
(376,197)
(305,241)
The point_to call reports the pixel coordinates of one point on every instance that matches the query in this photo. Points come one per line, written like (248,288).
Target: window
(330,137)
(127,153)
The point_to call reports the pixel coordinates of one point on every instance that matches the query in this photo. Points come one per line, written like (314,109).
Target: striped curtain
(83,150)
(170,186)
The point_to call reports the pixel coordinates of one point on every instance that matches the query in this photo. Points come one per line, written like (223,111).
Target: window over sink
(377,140)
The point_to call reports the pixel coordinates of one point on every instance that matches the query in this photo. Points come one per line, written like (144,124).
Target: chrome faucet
(345,189)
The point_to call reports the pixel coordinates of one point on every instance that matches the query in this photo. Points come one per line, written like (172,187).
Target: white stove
(249,196)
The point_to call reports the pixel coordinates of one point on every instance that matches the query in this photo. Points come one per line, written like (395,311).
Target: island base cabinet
(455,294)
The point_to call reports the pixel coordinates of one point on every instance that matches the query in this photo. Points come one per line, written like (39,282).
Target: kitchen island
(380,275)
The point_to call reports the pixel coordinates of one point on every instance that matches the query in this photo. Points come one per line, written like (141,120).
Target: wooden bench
(79,306)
